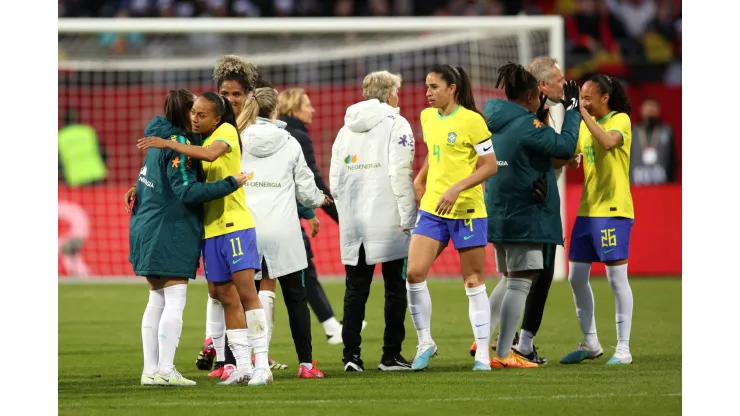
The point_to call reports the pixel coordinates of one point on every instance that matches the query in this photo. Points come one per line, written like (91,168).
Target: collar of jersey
(448,115)
(602,119)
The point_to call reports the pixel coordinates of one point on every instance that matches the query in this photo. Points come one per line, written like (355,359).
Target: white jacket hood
(365,115)
(264,137)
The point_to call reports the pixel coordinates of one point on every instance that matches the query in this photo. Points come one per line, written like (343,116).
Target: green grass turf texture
(100,360)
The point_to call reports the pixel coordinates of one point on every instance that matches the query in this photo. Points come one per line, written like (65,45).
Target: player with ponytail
(604,223)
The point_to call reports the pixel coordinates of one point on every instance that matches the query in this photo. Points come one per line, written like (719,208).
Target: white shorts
(518,257)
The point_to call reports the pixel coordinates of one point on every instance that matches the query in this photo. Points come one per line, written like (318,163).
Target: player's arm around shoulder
(401,150)
(184,182)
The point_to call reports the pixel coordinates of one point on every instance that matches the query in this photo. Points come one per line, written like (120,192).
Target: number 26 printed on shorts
(608,237)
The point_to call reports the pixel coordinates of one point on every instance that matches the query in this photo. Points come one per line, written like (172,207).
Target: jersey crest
(451,138)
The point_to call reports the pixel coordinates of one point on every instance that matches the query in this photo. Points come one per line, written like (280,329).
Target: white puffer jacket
(371,182)
(277,174)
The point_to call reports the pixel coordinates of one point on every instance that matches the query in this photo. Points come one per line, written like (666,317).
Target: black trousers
(357,291)
(299,317)
(535,306)
(316,296)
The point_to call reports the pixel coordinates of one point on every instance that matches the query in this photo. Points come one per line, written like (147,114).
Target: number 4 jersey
(452,157)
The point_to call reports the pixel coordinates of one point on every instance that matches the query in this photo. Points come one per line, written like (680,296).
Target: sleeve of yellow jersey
(422,119)
(227,134)
(621,123)
(478,129)
(580,138)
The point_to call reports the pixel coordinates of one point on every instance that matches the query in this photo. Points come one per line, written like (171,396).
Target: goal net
(114,75)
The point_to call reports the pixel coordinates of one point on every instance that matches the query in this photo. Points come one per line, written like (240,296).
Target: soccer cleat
(147,380)
(481,366)
(274,365)
(314,372)
(218,370)
(582,353)
(336,339)
(423,354)
(394,363)
(511,361)
(260,377)
(474,348)
(354,363)
(238,376)
(206,355)
(532,357)
(228,370)
(174,378)
(622,356)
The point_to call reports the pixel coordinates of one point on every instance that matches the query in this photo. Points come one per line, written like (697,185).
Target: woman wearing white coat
(371,181)
(277,174)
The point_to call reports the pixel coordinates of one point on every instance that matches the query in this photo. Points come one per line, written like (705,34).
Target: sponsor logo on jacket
(251,183)
(351,161)
(143,179)
(502,163)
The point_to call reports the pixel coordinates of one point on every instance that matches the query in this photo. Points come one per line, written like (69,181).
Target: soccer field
(100,360)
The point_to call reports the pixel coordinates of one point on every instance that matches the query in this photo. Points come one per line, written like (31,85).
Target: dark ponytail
(464,91)
(177,107)
(618,99)
(516,80)
(223,110)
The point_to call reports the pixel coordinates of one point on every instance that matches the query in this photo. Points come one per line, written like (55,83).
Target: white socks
(150,330)
(170,326)
(480,314)
(497,297)
(331,326)
(617,276)
(584,300)
(216,327)
(420,308)
(512,309)
(526,342)
(238,346)
(257,336)
(267,297)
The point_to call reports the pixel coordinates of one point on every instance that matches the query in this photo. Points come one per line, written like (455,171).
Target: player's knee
(473,280)
(415,275)
(212,293)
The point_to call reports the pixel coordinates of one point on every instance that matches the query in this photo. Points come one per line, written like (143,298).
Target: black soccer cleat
(353,363)
(394,363)
(532,357)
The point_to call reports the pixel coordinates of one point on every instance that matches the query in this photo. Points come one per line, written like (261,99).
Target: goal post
(114,73)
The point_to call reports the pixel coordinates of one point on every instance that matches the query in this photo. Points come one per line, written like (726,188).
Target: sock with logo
(617,276)
(216,327)
(257,336)
(150,330)
(170,326)
(420,308)
(479,313)
(267,297)
(583,297)
(512,309)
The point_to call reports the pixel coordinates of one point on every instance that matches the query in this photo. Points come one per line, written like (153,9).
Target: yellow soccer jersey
(606,184)
(452,157)
(231,213)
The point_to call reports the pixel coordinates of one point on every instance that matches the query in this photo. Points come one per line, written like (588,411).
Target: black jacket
(298,130)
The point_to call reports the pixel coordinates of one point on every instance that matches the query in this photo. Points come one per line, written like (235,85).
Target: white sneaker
(147,380)
(261,377)
(174,378)
(239,376)
(336,338)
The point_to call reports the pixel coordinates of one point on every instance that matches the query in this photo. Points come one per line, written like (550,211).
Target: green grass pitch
(100,360)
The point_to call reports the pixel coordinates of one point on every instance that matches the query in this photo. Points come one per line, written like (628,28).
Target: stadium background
(118,105)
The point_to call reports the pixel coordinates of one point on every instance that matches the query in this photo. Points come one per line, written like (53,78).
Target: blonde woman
(278,174)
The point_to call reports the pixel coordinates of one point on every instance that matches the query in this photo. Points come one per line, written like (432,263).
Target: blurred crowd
(638,40)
